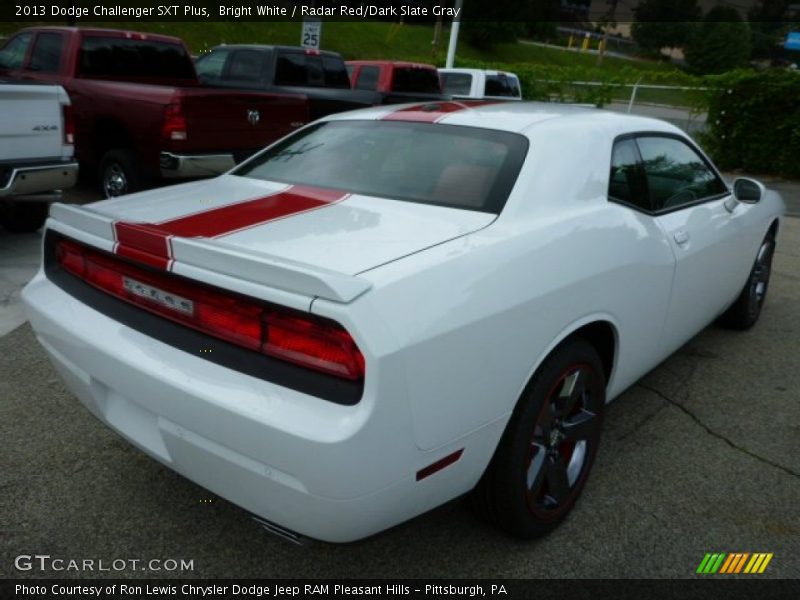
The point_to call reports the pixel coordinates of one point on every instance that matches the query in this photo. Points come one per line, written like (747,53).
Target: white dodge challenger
(393,307)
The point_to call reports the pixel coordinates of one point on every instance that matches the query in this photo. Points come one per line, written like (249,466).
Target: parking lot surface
(702,455)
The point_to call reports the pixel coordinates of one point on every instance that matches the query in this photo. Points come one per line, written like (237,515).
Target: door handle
(681,237)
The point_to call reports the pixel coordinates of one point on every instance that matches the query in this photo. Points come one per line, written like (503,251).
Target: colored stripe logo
(734,563)
(151,244)
(433,112)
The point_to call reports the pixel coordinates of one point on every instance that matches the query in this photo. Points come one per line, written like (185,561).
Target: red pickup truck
(139,110)
(397,81)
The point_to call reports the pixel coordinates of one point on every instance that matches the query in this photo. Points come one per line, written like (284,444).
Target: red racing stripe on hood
(433,112)
(151,243)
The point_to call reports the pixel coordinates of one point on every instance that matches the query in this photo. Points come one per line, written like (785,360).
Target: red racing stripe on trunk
(235,217)
(433,112)
(151,243)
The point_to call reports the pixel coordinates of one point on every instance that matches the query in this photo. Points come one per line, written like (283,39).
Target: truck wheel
(24,217)
(119,173)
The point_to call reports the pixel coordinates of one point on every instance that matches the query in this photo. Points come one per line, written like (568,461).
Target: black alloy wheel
(547,450)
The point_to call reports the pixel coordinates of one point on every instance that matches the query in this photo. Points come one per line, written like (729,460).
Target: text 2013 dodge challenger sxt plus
(392,307)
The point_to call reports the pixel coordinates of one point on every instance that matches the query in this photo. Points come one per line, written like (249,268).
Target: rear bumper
(330,472)
(35,179)
(179,166)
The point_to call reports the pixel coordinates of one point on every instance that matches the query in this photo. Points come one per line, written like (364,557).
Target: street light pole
(454,27)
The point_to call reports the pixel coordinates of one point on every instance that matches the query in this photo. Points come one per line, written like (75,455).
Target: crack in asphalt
(641,423)
(713,433)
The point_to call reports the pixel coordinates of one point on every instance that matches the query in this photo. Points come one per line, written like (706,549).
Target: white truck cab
(479,84)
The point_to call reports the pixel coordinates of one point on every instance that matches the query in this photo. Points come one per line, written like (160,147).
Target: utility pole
(454,27)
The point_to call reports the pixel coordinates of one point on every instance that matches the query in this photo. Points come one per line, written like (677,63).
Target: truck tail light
(174,126)
(300,338)
(69,124)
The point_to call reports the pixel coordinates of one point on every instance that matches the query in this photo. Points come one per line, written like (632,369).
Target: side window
(676,174)
(335,72)
(246,65)
(368,78)
(627,181)
(46,55)
(291,69)
(13,53)
(459,84)
(209,66)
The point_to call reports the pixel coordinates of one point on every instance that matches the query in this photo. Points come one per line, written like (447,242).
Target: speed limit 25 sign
(312,31)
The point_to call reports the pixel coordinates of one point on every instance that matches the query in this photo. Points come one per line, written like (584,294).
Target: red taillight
(299,338)
(174,126)
(69,125)
(323,346)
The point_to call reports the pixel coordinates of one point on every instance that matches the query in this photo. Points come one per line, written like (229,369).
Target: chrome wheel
(115,181)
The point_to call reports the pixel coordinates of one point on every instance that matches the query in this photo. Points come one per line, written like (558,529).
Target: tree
(485,24)
(768,24)
(664,23)
(721,42)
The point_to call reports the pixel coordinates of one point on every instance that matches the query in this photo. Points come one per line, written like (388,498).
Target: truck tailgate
(30,121)
(240,121)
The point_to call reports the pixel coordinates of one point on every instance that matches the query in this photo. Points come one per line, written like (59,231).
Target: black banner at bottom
(563,589)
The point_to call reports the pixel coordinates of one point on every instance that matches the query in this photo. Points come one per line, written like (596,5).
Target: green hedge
(543,82)
(754,122)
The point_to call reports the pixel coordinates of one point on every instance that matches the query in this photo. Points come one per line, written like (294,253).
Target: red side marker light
(439,465)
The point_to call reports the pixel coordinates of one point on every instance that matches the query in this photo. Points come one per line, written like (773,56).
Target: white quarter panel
(471,319)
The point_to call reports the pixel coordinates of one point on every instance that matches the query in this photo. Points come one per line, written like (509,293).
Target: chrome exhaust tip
(282,532)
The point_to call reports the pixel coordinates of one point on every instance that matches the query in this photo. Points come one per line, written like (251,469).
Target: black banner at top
(528,11)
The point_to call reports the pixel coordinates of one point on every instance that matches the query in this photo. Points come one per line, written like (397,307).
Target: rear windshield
(121,58)
(456,84)
(444,165)
(416,81)
(295,68)
(502,85)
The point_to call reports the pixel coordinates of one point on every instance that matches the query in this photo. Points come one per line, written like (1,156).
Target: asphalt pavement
(702,455)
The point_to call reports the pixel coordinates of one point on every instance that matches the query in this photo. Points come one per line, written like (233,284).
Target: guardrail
(671,103)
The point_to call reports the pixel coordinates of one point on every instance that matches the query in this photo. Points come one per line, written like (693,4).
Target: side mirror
(748,190)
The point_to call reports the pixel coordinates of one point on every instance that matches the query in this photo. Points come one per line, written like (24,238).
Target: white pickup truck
(36,152)
(478,84)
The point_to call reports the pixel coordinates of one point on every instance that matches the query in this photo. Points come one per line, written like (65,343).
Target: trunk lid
(327,230)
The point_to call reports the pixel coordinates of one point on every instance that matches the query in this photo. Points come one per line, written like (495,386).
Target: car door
(688,200)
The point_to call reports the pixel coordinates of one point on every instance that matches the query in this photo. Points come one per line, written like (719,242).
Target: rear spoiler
(215,256)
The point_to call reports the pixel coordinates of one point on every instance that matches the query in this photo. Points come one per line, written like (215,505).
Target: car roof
(393,63)
(121,33)
(517,117)
(478,71)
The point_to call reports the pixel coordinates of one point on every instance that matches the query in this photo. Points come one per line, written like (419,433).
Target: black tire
(744,312)
(549,445)
(119,173)
(24,217)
